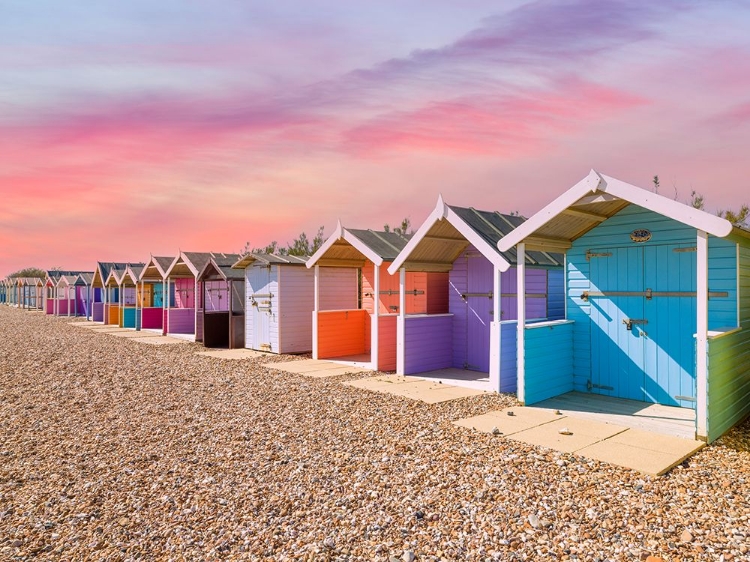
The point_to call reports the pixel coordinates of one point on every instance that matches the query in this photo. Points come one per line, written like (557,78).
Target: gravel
(111,449)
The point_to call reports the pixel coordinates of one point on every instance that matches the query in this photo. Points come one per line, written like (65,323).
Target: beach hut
(113,295)
(128,283)
(99,292)
(3,291)
(67,303)
(184,314)
(657,305)
(356,322)
(280,293)
(151,290)
(84,293)
(222,290)
(477,332)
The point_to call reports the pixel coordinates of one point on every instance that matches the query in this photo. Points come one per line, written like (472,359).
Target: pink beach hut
(151,305)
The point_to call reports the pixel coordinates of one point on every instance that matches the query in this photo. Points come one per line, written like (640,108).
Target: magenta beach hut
(151,306)
(65,296)
(473,342)
(222,291)
(184,310)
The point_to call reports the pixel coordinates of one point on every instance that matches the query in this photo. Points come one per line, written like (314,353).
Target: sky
(139,128)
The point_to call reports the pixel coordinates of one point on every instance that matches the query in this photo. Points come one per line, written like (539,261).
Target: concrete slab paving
(242,353)
(130,333)
(521,420)
(112,330)
(315,368)
(160,340)
(580,433)
(414,388)
(83,323)
(645,451)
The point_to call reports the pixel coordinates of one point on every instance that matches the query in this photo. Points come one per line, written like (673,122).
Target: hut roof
(348,247)
(268,259)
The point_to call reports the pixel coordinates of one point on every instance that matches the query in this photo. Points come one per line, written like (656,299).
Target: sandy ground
(110,449)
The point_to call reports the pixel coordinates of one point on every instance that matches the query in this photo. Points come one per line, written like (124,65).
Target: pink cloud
(507,126)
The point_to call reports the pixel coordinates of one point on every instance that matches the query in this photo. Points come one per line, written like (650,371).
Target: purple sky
(132,128)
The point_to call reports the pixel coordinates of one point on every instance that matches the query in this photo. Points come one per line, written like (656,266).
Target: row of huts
(610,290)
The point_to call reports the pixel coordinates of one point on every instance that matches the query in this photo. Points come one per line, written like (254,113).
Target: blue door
(643,318)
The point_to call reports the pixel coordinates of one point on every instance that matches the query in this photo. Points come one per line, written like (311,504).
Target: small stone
(534,521)
(16,543)
(419,514)
(408,556)
(652,558)
(510,413)
(496,431)
(565,431)
(123,521)
(686,536)
(329,542)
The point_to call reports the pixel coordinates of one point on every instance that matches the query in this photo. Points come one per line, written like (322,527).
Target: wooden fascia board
(587,185)
(332,239)
(700,220)
(326,262)
(427,267)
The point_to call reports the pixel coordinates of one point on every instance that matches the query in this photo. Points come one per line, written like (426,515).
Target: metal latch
(630,321)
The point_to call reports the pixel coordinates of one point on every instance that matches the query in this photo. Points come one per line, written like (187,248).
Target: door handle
(630,321)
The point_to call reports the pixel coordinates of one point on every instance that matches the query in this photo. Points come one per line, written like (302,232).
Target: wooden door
(259,300)
(478,298)
(643,318)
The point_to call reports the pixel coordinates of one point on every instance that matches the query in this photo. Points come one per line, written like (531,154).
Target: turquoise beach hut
(657,306)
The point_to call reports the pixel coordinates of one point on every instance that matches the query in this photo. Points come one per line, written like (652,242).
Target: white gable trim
(589,184)
(595,182)
(342,234)
(443,211)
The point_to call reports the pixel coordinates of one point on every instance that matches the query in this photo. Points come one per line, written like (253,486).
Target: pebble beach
(115,450)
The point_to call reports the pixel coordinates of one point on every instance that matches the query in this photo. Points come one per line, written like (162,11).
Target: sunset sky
(139,127)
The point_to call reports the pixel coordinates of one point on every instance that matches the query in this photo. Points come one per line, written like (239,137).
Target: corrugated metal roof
(492,226)
(223,264)
(385,244)
(259,258)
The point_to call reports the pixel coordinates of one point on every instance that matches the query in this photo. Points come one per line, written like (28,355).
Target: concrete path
(130,333)
(160,340)
(315,368)
(414,388)
(644,451)
(234,353)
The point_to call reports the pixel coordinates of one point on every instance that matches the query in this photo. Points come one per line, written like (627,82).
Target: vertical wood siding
(184,293)
(62,307)
(113,315)
(217,295)
(508,356)
(98,312)
(427,343)
(296,300)
(729,364)
(437,293)
(128,317)
(549,362)
(387,342)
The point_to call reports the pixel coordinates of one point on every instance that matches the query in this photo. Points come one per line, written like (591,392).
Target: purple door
(479,313)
